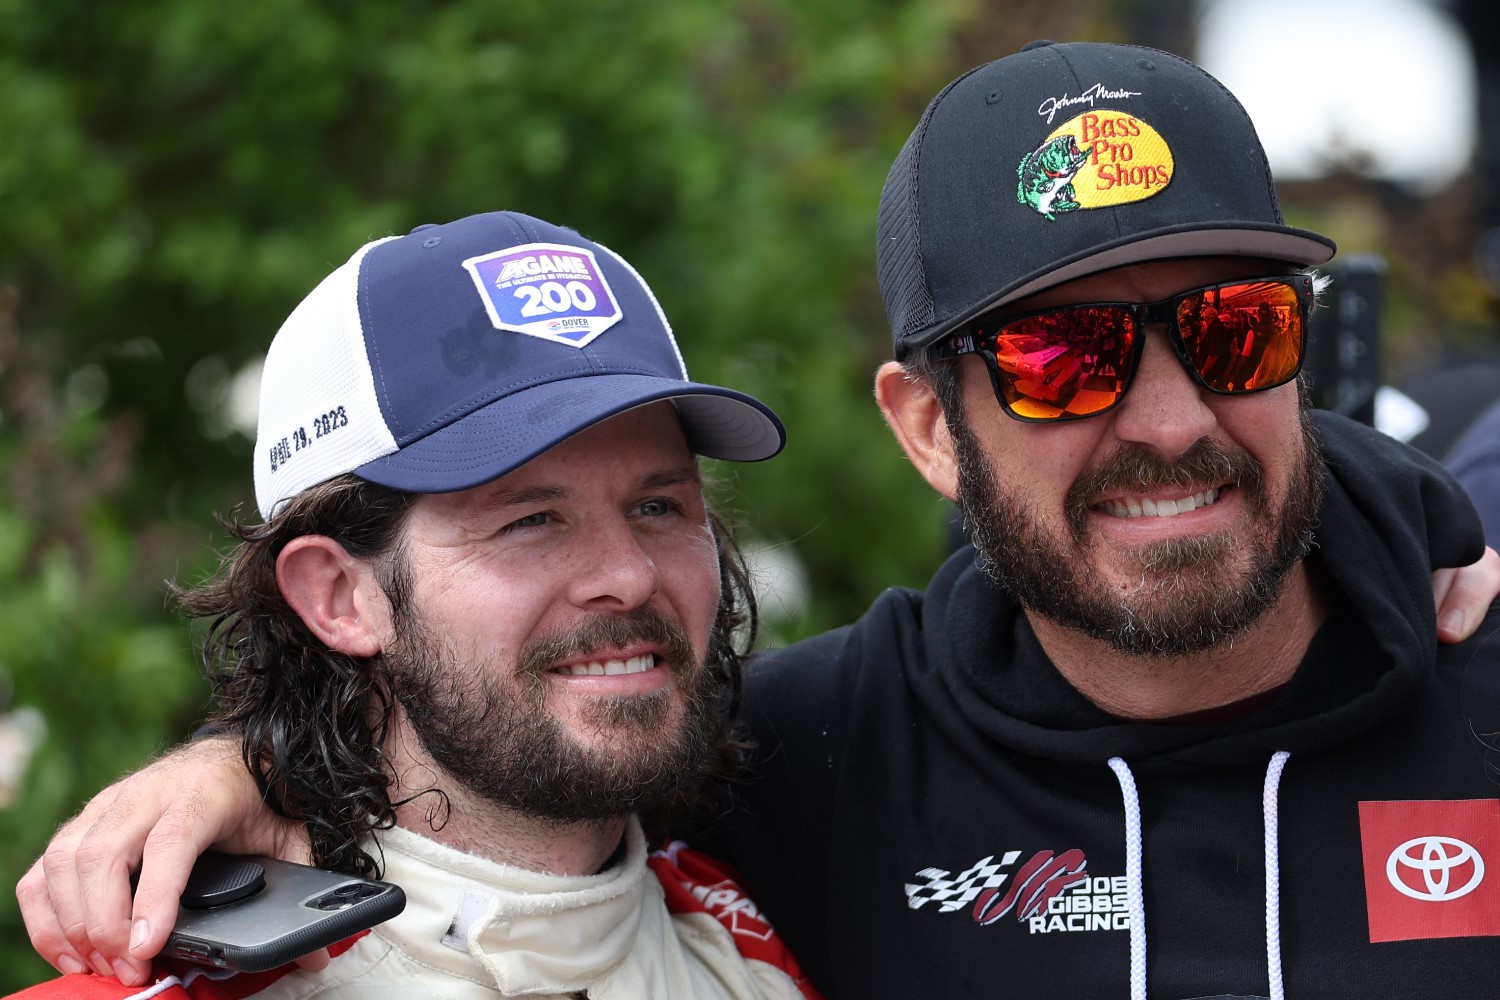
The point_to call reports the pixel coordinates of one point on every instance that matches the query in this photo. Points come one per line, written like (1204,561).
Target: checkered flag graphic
(955,893)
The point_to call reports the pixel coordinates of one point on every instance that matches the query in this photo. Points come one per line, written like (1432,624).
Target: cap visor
(511,431)
(1230,239)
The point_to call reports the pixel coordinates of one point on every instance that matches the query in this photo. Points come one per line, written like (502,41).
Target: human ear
(912,410)
(334,594)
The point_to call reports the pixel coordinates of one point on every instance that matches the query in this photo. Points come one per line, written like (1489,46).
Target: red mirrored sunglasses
(1077,361)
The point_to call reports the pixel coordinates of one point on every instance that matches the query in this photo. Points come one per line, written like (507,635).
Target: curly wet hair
(313,720)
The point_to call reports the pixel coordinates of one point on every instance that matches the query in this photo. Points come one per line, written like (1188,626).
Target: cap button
(1040,43)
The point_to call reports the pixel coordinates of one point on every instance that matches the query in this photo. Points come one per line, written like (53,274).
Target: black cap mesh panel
(898,237)
(903,283)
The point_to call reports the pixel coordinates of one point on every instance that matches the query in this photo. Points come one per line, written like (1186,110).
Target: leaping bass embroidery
(1046,176)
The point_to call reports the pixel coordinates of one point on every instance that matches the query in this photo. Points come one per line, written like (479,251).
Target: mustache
(1137,469)
(644,624)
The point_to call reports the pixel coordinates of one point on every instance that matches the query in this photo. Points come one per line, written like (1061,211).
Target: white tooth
(1129,507)
(610,668)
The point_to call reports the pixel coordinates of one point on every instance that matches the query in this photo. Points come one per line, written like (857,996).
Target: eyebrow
(672,477)
(542,494)
(525,495)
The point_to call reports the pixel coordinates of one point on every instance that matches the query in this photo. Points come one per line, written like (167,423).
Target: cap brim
(508,433)
(1231,239)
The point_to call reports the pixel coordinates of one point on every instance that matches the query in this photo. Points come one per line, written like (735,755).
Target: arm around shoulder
(76,899)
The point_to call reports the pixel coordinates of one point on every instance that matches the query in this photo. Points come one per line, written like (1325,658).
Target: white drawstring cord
(1135,898)
(1273,876)
(167,982)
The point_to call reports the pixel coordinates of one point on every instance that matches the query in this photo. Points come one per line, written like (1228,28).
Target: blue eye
(531,520)
(657,508)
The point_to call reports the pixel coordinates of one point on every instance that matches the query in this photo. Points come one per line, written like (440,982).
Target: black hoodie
(937,813)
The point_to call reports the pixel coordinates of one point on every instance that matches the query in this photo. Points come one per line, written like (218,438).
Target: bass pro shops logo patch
(1430,868)
(1094,160)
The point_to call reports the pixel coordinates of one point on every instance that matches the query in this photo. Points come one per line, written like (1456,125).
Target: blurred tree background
(176,174)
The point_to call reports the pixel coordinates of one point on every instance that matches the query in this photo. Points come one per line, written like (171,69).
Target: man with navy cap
(487,625)
(1182,728)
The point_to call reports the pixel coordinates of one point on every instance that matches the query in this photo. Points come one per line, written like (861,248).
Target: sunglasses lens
(1066,363)
(1243,337)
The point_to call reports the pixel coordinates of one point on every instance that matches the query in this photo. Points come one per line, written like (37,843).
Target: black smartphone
(254,913)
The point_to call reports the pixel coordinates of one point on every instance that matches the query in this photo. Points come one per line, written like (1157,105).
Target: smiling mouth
(1132,507)
(610,668)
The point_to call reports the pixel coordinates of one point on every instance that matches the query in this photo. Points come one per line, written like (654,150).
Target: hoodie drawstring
(1135,896)
(1273,875)
(1135,899)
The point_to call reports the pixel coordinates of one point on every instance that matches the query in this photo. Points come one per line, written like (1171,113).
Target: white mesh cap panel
(319,416)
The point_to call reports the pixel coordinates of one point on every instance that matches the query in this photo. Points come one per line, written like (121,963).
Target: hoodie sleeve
(1419,510)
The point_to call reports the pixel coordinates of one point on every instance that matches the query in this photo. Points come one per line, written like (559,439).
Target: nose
(612,571)
(1164,409)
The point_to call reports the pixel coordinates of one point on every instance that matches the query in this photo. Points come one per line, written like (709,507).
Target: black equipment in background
(1342,365)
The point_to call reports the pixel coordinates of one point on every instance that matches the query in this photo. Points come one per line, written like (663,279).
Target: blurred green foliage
(175,175)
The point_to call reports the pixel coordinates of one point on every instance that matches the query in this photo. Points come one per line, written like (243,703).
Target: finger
(167,858)
(42,926)
(60,866)
(315,962)
(48,893)
(1442,586)
(211,801)
(1463,602)
(105,856)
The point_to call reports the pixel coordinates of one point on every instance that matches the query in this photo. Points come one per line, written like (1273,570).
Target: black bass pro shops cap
(1064,160)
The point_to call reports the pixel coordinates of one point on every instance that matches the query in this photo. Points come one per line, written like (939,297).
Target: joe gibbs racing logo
(1048,893)
(1094,160)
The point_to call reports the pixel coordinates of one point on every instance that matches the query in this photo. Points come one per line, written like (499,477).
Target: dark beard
(494,735)
(1189,599)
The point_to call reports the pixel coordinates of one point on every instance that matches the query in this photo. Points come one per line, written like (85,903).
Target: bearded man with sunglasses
(1188,692)
(1181,729)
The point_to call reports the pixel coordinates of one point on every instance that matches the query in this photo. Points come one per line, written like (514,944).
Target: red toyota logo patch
(1432,868)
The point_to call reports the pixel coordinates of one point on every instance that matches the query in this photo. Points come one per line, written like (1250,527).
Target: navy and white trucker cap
(446,358)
